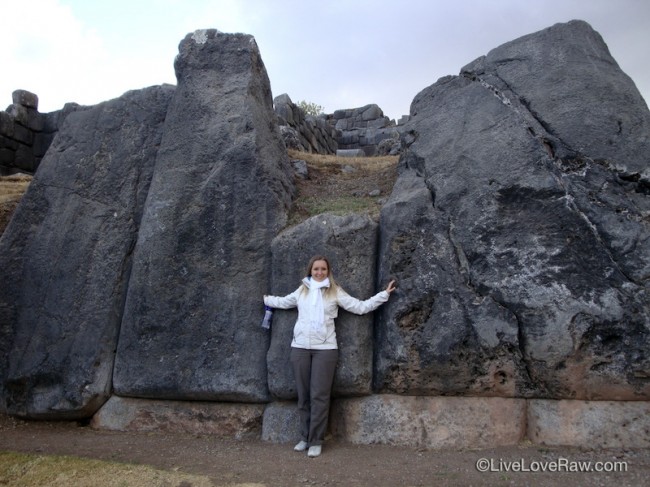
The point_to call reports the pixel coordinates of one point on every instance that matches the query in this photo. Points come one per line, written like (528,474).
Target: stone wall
(303,132)
(26,134)
(366,128)
(411,421)
(354,132)
(516,232)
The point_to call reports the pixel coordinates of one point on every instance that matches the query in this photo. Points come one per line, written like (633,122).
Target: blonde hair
(333,286)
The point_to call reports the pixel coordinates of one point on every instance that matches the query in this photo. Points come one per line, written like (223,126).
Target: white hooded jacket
(306,336)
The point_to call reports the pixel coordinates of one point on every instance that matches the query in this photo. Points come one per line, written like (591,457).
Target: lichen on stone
(200,36)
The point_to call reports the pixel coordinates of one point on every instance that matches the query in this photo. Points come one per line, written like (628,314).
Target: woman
(314,350)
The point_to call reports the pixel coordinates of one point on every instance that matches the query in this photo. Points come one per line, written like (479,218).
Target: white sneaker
(314,451)
(301,446)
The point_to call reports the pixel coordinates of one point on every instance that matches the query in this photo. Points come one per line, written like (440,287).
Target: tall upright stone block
(66,255)
(349,243)
(220,192)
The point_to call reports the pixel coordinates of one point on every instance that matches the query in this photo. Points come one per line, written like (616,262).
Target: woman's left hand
(391,287)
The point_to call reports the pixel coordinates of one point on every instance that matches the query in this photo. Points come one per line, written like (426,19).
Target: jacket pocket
(331,309)
(299,334)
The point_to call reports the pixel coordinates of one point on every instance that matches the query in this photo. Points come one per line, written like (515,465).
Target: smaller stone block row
(352,124)
(370,140)
(350,153)
(413,421)
(365,113)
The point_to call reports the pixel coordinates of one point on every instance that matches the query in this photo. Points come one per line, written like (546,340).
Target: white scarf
(315,309)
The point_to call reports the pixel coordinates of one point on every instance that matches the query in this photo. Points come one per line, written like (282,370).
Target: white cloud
(50,53)
(336,53)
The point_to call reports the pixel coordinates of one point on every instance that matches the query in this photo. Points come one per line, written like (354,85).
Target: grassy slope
(342,185)
(12,189)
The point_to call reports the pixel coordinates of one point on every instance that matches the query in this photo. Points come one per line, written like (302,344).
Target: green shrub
(310,108)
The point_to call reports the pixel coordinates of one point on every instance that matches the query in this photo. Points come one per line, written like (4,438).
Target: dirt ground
(228,462)
(12,189)
(342,185)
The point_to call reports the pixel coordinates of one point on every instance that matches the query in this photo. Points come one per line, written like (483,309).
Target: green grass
(13,187)
(19,469)
(304,208)
(329,188)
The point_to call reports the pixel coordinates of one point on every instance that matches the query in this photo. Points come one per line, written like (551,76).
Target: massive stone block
(220,192)
(349,242)
(230,420)
(435,336)
(281,422)
(589,424)
(519,231)
(65,257)
(430,422)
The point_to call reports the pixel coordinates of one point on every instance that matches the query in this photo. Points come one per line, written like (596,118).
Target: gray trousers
(314,373)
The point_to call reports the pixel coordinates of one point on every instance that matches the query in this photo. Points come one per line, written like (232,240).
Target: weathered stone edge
(233,420)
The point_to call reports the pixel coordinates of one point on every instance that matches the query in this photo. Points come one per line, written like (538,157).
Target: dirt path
(228,462)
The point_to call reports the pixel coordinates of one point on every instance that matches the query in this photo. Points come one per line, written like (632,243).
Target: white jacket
(304,336)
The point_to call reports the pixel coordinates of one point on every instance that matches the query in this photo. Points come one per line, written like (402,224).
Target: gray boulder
(66,255)
(220,193)
(519,231)
(291,137)
(301,171)
(349,243)
(390,146)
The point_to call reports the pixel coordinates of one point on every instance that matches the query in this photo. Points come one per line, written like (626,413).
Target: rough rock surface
(220,193)
(519,229)
(65,257)
(349,243)
(426,342)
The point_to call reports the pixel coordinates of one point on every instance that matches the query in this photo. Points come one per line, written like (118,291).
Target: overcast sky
(335,53)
